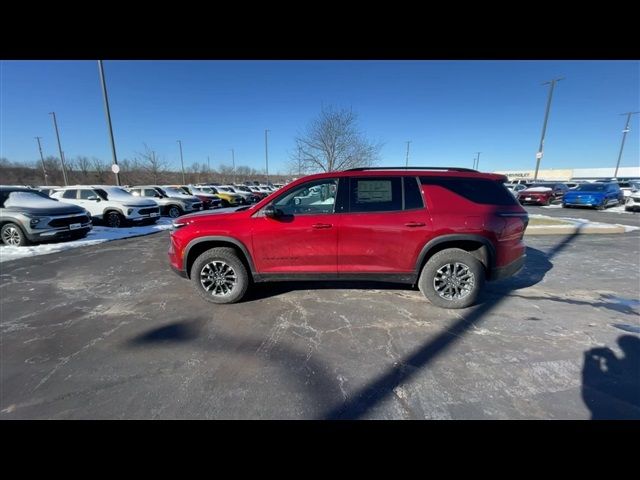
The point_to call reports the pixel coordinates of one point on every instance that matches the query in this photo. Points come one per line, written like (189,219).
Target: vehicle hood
(536,190)
(219,214)
(40,206)
(139,202)
(187,198)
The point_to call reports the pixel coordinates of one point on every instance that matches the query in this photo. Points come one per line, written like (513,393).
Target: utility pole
(233,162)
(115,169)
(55,125)
(406,164)
(624,135)
(181,162)
(44,170)
(544,125)
(208,164)
(266,154)
(476,164)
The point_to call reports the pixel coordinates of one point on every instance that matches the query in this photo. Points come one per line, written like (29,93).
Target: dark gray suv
(27,216)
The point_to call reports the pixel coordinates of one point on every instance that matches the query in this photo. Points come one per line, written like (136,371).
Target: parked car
(255,196)
(628,187)
(632,202)
(361,224)
(229,199)
(209,200)
(172,202)
(28,216)
(110,204)
(247,197)
(515,188)
(597,194)
(542,193)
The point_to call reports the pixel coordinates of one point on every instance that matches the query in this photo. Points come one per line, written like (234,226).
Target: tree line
(331,142)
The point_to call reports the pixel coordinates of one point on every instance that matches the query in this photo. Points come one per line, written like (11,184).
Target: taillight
(515,224)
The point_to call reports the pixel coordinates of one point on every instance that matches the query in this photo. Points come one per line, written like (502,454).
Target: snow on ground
(583,222)
(616,209)
(97,235)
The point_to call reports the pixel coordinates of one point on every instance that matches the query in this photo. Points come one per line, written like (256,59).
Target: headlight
(129,211)
(34,221)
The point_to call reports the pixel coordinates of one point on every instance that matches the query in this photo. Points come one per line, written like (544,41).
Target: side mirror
(271,211)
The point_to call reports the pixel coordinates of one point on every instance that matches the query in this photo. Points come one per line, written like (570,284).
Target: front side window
(70,194)
(375,194)
(150,192)
(85,194)
(311,198)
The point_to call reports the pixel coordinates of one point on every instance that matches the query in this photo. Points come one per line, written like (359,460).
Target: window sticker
(373,191)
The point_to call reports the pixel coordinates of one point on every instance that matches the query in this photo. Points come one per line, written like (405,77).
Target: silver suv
(172,201)
(28,216)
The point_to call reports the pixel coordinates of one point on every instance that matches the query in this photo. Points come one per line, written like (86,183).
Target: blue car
(598,194)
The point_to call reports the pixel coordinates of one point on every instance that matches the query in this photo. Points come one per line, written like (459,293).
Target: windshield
(592,187)
(113,193)
(172,192)
(185,190)
(224,189)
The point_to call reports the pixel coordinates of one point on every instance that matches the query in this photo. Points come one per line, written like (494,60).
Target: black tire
(603,205)
(12,235)
(207,262)
(225,203)
(440,260)
(174,211)
(114,220)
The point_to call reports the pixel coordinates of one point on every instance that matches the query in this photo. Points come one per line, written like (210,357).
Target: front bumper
(500,273)
(53,234)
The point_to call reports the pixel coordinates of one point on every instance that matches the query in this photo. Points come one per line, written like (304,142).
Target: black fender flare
(431,244)
(217,238)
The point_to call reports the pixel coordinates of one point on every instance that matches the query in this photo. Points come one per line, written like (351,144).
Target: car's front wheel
(219,276)
(114,220)
(452,278)
(174,211)
(13,235)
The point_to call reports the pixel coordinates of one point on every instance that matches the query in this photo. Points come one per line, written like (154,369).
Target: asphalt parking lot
(108,331)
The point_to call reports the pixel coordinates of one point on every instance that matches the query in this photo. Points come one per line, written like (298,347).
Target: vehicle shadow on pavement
(611,384)
(261,291)
(382,387)
(312,375)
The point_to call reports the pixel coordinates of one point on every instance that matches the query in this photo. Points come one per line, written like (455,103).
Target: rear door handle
(322,225)
(414,224)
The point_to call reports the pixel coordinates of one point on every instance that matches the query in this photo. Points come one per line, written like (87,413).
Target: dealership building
(566,174)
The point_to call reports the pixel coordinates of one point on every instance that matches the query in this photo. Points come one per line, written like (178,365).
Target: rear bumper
(500,273)
(177,271)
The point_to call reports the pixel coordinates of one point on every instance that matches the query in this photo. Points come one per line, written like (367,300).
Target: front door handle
(322,225)
(414,224)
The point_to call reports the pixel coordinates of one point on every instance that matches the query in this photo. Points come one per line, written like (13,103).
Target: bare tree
(333,142)
(84,164)
(152,164)
(100,167)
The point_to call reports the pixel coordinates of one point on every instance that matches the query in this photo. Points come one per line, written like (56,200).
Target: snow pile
(583,222)
(30,200)
(96,235)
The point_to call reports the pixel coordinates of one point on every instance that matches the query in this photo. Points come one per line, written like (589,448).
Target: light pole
(624,135)
(55,125)
(181,161)
(44,170)
(233,163)
(106,109)
(476,164)
(544,125)
(406,163)
(266,154)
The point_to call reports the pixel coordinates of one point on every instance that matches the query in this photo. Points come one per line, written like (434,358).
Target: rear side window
(70,194)
(375,194)
(477,190)
(412,194)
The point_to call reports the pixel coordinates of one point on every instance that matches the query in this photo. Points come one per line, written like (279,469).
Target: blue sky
(448,109)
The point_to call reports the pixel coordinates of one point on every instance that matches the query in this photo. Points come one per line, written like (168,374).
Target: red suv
(444,229)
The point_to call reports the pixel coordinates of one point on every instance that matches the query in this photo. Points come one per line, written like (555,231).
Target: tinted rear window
(412,194)
(477,190)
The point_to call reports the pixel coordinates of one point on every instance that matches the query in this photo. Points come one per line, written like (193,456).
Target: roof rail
(453,169)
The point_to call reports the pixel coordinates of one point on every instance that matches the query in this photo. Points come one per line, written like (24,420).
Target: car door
(384,227)
(303,237)
(93,206)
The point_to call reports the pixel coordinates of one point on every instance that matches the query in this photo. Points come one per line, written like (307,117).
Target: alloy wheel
(218,278)
(454,281)
(11,236)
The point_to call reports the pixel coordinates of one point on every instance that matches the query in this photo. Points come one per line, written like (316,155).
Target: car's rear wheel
(452,278)
(219,276)
(13,236)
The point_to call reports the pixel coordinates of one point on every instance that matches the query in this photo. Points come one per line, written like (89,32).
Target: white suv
(113,205)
